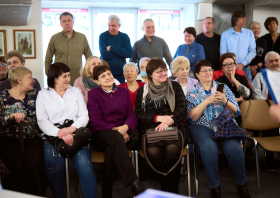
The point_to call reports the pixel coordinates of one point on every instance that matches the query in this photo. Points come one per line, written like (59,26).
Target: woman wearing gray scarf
(161,104)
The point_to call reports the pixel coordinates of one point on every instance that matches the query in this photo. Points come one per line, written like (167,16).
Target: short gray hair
(113,18)
(270,53)
(143,59)
(131,64)
(151,20)
(253,23)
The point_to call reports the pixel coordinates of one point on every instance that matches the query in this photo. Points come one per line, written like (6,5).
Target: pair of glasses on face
(3,64)
(229,65)
(207,70)
(161,71)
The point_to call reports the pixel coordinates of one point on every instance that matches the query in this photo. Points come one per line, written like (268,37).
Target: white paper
(273,78)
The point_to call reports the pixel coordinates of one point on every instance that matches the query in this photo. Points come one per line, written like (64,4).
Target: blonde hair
(85,71)
(253,23)
(17,73)
(178,63)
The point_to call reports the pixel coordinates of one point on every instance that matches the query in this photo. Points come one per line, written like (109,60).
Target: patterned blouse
(203,120)
(9,105)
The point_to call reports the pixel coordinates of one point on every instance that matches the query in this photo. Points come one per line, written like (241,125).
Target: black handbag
(81,138)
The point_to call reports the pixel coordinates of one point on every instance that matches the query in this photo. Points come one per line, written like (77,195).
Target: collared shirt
(10,105)
(68,51)
(52,108)
(156,48)
(242,44)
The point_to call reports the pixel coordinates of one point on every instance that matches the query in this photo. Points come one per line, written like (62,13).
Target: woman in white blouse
(55,104)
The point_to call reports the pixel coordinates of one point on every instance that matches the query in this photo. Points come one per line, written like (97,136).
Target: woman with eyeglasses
(3,69)
(160,104)
(204,105)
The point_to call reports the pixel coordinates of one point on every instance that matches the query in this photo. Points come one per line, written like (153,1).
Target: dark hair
(56,70)
(65,14)
(225,56)
(2,60)
(199,64)
(213,20)
(99,70)
(190,30)
(236,15)
(269,20)
(154,64)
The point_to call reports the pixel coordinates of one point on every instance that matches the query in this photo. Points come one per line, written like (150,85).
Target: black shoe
(137,187)
(215,193)
(243,191)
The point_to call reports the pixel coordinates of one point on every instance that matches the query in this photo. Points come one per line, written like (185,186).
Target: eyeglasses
(161,71)
(229,65)
(207,70)
(4,64)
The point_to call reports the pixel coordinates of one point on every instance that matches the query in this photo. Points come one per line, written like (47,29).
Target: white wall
(260,14)
(34,22)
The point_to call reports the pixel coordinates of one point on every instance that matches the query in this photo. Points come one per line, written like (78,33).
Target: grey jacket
(259,88)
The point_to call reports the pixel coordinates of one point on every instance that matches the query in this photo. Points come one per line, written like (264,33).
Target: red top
(132,94)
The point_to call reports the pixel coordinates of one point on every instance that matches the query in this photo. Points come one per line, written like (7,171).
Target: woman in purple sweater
(111,119)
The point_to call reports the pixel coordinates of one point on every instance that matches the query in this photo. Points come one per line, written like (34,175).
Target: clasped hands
(123,131)
(66,134)
(216,98)
(166,121)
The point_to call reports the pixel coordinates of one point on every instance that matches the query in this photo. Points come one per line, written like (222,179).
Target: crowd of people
(115,99)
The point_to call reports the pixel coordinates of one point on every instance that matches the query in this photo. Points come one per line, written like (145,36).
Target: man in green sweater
(68,47)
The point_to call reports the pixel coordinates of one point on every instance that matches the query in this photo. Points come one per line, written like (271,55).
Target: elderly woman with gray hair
(143,74)
(130,71)
(180,68)
(261,49)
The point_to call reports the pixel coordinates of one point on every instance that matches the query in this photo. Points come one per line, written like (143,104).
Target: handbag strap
(268,103)
(247,114)
(144,142)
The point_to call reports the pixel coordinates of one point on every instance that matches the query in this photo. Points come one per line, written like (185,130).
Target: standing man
(150,45)
(210,42)
(68,47)
(239,41)
(115,47)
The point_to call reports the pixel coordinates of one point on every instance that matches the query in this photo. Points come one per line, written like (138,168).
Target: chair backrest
(255,115)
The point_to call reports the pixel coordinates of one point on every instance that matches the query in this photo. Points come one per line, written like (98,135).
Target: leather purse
(152,136)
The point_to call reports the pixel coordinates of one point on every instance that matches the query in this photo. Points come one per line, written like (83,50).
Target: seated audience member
(180,67)
(143,74)
(192,50)
(106,63)
(160,103)
(130,71)
(55,105)
(85,82)
(14,58)
(111,119)
(204,105)
(260,92)
(18,105)
(272,38)
(3,69)
(261,49)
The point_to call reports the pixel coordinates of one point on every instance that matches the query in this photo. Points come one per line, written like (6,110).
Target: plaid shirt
(9,105)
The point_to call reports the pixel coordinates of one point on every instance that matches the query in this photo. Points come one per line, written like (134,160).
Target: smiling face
(208,25)
(272,27)
(159,75)
(14,61)
(205,74)
(67,23)
(94,62)
(106,79)
(256,30)
(272,62)
(228,66)
(189,38)
(130,73)
(149,28)
(62,82)
(182,73)
(27,82)
(113,27)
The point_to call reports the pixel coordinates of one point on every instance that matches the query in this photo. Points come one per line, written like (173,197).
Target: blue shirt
(120,49)
(243,45)
(196,53)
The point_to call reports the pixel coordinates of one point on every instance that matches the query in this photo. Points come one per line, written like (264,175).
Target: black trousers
(116,159)
(32,165)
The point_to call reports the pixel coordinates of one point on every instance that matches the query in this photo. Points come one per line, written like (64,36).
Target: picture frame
(25,42)
(3,43)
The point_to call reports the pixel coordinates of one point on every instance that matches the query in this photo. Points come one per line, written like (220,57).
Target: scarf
(88,83)
(198,93)
(157,93)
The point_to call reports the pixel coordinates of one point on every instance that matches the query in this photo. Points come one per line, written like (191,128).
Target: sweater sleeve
(130,118)
(103,51)
(87,51)
(123,52)
(49,55)
(200,53)
(166,54)
(134,57)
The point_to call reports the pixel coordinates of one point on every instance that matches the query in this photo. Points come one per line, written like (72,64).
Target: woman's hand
(126,138)
(68,139)
(65,131)
(19,117)
(232,73)
(161,127)
(240,99)
(254,70)
(122,129)
(166,119)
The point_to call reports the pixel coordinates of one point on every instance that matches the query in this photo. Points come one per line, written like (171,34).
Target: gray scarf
(88,83)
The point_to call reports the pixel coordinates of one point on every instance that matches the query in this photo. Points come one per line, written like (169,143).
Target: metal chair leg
(195,170)
(189,175)
(184,168)
(136,163)
(257,165)
(67,177)
(133,158)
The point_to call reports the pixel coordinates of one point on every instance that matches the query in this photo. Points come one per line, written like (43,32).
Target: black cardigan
(269,42)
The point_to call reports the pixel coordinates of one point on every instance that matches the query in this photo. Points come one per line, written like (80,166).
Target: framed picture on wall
(3,43)
(25,42)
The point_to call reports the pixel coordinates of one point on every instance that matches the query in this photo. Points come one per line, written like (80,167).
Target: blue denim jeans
(203,139)
(247,71)
(54,164)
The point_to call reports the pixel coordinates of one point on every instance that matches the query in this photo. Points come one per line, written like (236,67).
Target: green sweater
(68,51)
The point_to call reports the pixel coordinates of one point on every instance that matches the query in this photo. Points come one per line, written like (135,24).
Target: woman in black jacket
(272,38)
